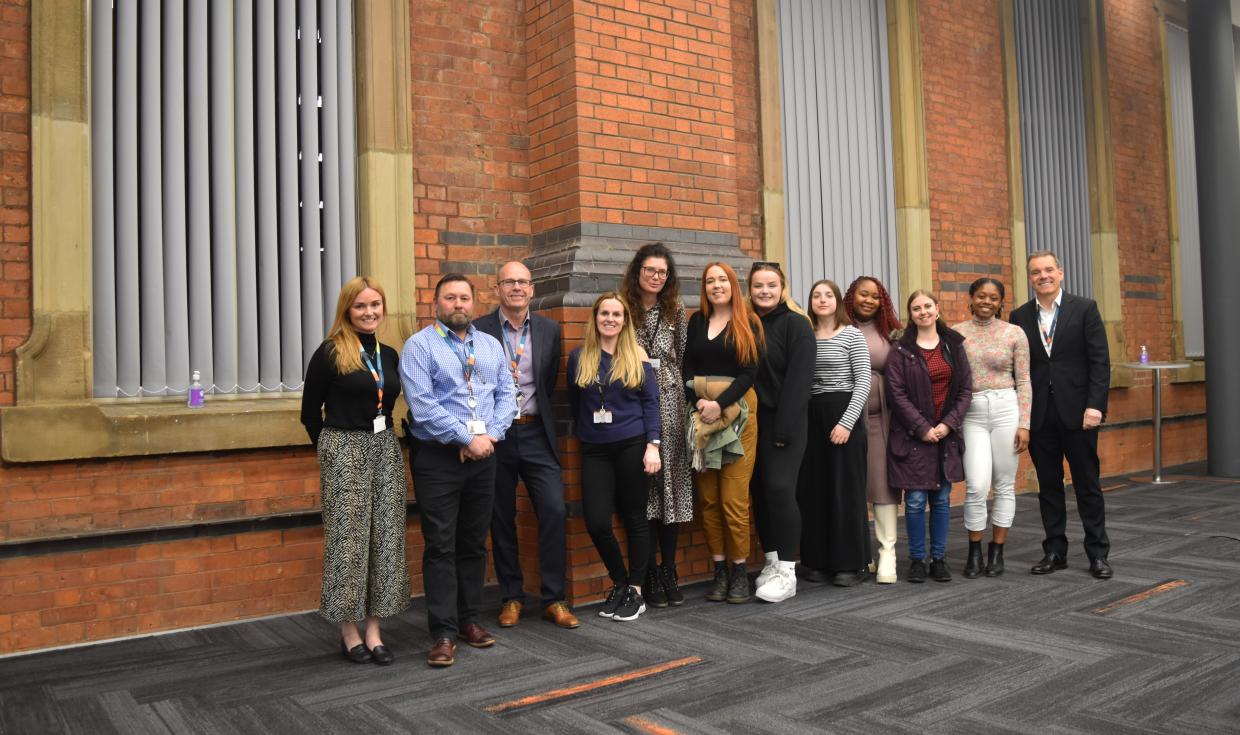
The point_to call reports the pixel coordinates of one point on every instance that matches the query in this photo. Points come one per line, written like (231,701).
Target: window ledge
(1194,374)
(49,432)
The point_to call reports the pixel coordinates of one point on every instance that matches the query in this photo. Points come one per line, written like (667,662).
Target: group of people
(805,419)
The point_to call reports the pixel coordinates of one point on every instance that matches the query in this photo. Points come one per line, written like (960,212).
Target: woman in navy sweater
(615,402)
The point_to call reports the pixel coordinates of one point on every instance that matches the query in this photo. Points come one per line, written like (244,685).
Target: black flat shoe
(1049,564)
(382,655)
(1101,569)
(358,654)
(809,574)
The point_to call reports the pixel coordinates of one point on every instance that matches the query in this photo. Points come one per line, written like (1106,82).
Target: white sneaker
(781,586)
(769,570)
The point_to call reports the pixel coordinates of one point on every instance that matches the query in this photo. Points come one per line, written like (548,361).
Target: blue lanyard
(514,353)
(1048,335)
(376,373)
(467,359)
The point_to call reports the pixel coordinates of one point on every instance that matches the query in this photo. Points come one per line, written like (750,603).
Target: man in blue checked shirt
(461,402)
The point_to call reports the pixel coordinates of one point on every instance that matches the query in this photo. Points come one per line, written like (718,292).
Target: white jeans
(989,458)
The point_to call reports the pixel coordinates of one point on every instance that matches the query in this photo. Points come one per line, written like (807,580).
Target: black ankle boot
(667,575)
(653,590)
(738,584)
(719,592)
(973,565)
(994,559)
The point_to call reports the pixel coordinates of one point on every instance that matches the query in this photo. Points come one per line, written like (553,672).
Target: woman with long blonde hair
(722,350)
(615,405)
(351,384)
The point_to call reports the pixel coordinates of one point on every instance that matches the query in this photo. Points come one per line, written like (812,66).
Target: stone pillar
(1218,185)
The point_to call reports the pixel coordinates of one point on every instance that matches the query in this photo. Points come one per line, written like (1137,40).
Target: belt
(523,420)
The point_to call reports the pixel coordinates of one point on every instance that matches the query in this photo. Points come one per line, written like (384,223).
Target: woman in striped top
(835,531)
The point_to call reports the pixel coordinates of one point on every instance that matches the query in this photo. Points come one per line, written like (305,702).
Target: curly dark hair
(885,319)
(669,297)
(973,288)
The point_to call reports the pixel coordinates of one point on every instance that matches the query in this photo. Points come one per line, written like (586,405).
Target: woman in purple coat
(929,386)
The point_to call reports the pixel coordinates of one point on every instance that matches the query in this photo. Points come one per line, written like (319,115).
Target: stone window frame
(908,130)
(55,416)
(1103,223)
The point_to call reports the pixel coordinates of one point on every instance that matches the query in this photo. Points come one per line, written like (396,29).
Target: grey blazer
(546,352)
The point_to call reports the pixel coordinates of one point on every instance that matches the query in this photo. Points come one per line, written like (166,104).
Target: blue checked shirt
(432,375)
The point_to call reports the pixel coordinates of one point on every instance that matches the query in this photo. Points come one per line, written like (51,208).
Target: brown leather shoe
(475,635)
(510,613)
(442,654)
(558,613)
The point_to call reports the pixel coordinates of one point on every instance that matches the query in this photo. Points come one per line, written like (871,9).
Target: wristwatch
(655,442)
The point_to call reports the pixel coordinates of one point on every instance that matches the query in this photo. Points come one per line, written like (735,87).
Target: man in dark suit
(529,450)
(1070,370)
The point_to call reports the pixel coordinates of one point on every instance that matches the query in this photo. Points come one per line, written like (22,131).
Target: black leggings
(773,490)
(663,538)
(613,479)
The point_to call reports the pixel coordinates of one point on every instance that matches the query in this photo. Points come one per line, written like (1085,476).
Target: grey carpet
(1017,654)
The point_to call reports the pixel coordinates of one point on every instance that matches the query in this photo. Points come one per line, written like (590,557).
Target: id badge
(380,424)
(655,363)
(602,416)
(477,427)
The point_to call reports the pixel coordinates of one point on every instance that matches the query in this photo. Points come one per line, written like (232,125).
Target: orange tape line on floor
(645,725)
(589,686)
(1142,595)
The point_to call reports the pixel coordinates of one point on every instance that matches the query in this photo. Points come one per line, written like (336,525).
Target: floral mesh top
(999,358)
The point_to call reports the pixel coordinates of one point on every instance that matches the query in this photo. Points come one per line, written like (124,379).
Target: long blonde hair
(626,363)
(342,335)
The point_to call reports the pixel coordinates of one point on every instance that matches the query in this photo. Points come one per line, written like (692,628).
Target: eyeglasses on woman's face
(659,273)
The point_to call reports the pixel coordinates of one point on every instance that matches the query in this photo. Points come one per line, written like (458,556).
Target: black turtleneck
(350,399)
(787,369)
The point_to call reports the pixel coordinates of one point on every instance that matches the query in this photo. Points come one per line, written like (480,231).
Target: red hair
(885,319)
(744,331)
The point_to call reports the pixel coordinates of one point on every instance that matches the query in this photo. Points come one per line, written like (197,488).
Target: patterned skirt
(362,485)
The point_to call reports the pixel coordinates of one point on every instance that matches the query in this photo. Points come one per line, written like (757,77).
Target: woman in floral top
(996,427)
(653,292)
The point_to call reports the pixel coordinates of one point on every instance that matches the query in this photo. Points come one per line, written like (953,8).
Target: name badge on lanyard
(655,363)
(476,427)
(514,353)
(380,422)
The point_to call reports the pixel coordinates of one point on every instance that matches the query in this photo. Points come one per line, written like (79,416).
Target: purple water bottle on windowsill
(197,394)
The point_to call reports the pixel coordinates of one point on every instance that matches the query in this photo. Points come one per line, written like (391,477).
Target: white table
(1157,368)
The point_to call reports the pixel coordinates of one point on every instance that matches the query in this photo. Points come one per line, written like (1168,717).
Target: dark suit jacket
(545,347)
(1079,365)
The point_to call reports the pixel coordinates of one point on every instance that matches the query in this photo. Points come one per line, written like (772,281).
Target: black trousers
(835,527)
(525,454)
(454,500)
(1057,439)
(773,490)
(614,480)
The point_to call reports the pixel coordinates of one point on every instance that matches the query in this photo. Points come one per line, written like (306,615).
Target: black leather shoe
(939,571)
(973,564)
(358,654)
(1101,569)
(917,571)
(994,560)
(809,574)
(1049,564)
(846,579)
(382,655)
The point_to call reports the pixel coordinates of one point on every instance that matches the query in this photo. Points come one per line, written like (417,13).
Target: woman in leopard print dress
(653,292)
(361,472)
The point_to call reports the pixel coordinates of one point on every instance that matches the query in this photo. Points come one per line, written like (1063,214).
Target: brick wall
(1135,85)
(966,149)
(471,146)
(14,189)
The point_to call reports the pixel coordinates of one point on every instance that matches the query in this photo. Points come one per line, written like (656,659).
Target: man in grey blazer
(529,451)
(1070,369)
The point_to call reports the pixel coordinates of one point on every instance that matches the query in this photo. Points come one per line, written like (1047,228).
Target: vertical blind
(1186,190)
(1051,80)
(224,211)
(839,192)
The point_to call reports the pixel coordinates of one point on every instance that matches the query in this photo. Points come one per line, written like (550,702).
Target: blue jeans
(915,521)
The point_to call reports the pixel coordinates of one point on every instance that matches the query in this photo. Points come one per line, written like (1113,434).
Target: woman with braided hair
(869,306)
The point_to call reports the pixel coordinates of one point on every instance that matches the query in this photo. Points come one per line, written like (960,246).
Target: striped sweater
(843,366)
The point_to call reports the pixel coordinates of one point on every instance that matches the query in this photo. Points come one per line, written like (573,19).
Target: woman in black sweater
(783,412)
(361,472)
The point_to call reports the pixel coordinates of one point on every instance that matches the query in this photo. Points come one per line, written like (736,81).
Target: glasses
(510,282)
(654,272)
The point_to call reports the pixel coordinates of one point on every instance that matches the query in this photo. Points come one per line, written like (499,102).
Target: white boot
(781,585)
(885,529)
(768,569)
